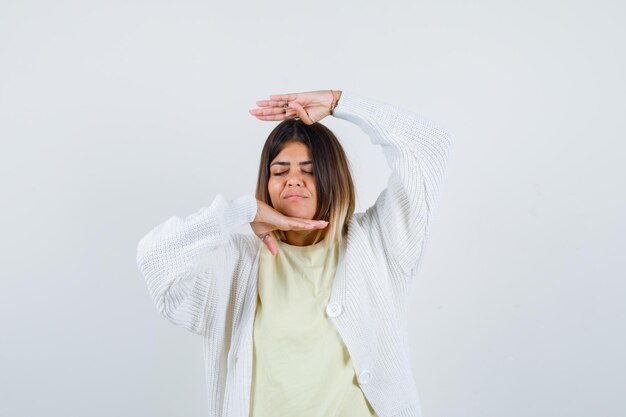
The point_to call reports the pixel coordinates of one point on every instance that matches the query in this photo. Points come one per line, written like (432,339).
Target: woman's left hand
(310,106)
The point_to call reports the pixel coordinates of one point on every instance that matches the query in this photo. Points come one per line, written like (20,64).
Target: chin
(297,212)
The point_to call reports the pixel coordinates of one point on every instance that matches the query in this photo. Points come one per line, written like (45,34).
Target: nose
(294,179)
(295,182)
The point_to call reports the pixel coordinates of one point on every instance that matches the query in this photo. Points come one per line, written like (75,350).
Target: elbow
(447,138)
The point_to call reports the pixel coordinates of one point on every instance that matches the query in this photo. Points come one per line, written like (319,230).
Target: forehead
(293,150)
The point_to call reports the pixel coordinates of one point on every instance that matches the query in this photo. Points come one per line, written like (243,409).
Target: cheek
(274,189)
(313,196)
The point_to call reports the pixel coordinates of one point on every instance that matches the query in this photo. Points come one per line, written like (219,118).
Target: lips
(294,197)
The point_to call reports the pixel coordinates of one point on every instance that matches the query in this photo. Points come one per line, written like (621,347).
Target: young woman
(307,316)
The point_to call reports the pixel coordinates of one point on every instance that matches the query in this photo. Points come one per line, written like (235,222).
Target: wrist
(256,215)
(335,102)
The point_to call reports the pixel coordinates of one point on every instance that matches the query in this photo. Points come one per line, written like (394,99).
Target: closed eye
(281,173)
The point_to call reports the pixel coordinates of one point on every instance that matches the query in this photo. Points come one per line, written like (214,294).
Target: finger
(270,111)
(271,245)
(285,97)
(275,117)
(308,221)
(295,224)
(291,114)
(302,114)
(271,103)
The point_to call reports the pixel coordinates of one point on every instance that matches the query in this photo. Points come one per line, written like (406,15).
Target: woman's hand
(310,107)
(268,219)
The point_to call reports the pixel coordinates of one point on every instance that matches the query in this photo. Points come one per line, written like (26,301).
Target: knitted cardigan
(202,274)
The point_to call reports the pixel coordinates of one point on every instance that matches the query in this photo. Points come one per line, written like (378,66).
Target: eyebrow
(288,163)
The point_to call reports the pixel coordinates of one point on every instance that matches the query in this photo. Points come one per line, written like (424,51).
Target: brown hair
(333,180)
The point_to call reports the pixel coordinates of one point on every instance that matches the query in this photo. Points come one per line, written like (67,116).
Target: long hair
(333,180)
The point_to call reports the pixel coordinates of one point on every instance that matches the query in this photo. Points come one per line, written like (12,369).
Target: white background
(115,115)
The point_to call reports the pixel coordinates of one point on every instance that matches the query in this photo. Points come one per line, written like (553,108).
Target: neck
(301,237)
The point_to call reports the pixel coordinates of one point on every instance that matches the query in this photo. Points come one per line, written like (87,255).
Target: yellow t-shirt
(301,366)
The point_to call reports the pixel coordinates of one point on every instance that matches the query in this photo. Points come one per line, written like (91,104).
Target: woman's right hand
(268,219)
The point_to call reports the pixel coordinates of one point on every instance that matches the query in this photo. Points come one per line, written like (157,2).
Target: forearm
(336,96)
(170,252)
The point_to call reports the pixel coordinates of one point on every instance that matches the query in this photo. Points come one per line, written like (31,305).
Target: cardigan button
(364,377)
(333,309)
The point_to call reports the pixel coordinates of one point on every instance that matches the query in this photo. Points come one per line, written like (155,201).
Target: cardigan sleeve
(186,262)
(417,151)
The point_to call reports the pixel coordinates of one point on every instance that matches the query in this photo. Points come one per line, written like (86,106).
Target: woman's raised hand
(310,106)
(268,219)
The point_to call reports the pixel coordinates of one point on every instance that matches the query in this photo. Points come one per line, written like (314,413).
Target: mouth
(294,197)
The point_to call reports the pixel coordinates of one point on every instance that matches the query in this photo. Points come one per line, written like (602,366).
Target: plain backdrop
(116,115)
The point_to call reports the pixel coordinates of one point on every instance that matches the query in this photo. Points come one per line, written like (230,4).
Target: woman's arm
(188,262)
(417,151)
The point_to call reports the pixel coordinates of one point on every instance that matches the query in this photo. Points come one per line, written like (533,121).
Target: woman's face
(291,174)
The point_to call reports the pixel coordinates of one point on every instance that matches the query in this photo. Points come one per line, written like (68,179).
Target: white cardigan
(202,275)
